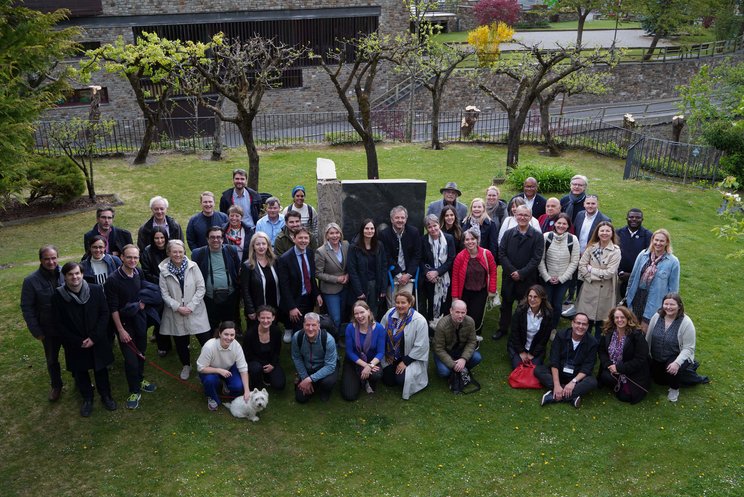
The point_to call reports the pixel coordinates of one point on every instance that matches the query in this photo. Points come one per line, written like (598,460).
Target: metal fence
(659,157)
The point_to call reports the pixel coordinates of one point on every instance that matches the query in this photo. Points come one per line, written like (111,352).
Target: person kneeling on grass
(222,360)
(314,356)
(455,341)
(572,359)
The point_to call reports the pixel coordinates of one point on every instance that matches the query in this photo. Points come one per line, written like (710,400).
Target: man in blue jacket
(314,356)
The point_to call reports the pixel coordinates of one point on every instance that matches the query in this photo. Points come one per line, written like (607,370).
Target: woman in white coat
(184,312)
(406,346)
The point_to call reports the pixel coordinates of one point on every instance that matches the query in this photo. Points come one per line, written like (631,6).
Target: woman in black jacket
(259,279)
(367,267)
(623,356)
(530,328)
(437,256)
(261,346)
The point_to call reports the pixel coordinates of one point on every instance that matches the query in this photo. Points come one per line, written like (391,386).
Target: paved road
(603,38)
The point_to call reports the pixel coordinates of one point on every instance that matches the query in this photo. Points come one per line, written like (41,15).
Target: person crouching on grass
(222,360)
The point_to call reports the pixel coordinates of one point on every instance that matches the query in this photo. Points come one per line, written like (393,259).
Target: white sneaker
(673,395)
(287,336)
(185,372)
(570,312)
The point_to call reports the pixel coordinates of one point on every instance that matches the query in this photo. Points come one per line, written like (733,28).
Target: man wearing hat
(449,193)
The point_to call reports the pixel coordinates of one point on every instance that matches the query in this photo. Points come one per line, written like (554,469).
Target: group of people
(388,295)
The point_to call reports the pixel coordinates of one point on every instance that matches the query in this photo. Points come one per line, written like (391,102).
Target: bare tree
(241,71)
(534,70)
(354,64)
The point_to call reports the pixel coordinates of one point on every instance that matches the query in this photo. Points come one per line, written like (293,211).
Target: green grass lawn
(554,26)
(498,441)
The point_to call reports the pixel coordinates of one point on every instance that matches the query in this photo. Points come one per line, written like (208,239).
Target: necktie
(401,258)
(305,274)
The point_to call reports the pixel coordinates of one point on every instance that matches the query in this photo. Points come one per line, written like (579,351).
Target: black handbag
(463,382)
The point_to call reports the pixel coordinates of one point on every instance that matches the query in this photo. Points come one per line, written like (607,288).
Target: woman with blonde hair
(365,348)
(655,274)
(259,279)
(331,260)
(478,217)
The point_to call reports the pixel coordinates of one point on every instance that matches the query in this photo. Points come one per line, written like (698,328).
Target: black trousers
(103,385)
(226,311)
(323,387)
(545,376)
(134,366)
(390,378)
(511,291)
(52,344)
(182,345)
(351,383)
(276,379)
(476,302)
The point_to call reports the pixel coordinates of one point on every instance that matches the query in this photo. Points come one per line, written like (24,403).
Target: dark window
(319,34)
(82,96)
(77,8)
(85,46)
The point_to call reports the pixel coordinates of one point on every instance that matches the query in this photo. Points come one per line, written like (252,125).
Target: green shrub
(348,138)
(55,177)
(554,179)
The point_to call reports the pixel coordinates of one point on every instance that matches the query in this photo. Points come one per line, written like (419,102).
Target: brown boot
(54,394)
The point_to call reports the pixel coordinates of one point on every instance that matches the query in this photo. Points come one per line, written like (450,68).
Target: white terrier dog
(257,402)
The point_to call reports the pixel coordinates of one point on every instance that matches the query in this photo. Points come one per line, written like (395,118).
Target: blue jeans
(444,372)
(336,303)
(213,381)
(556,294)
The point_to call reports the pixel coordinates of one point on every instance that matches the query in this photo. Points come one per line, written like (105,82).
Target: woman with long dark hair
(449,224)
(368,267)
(530,328)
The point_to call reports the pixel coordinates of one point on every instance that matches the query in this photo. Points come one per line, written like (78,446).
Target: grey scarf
(70,296)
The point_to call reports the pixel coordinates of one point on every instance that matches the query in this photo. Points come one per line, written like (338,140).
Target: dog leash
(620,377)
(186,383)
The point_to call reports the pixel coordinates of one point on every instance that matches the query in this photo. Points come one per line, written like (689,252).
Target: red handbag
(523,377)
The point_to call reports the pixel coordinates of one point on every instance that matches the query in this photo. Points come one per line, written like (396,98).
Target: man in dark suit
(160,217)
(249,200)
(116,238)
(220,266)
(534,200)
(299,290)
(586,222)
(633,239)
(402,243)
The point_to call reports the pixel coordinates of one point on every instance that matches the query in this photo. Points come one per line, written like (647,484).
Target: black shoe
(498,335)
(162,353)
(54,394)
(87,408)
(109,403)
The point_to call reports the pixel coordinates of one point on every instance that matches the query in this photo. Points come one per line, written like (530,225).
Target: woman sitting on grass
(671,340)
(623,356)
(406,346)
(222,361)
(365,346)
(530,328)
(262,345)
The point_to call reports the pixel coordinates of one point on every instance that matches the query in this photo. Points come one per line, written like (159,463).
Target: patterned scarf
(616,348)
(235,236)
(394,329)
(180,271)
(650,268)
(439,250)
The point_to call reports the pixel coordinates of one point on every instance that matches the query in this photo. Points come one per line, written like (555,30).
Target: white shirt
(213,355)
(586,231)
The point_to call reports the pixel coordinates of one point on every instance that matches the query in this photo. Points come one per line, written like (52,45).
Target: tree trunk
(512,148)
(89,178)
(650,51)
(373,171)
(436,104)
(150,132)
(580,27)
(545,126)
(246,132)
(217,143)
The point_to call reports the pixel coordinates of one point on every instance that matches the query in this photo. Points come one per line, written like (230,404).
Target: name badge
(568,369)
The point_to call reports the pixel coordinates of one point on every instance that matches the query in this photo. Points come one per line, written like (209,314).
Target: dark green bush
(55,177)
(555,179)
(348,138)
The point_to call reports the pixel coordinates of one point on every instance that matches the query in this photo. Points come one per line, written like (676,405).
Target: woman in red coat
(474,277)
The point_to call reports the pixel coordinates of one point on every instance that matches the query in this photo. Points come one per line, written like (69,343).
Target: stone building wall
(316,95)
